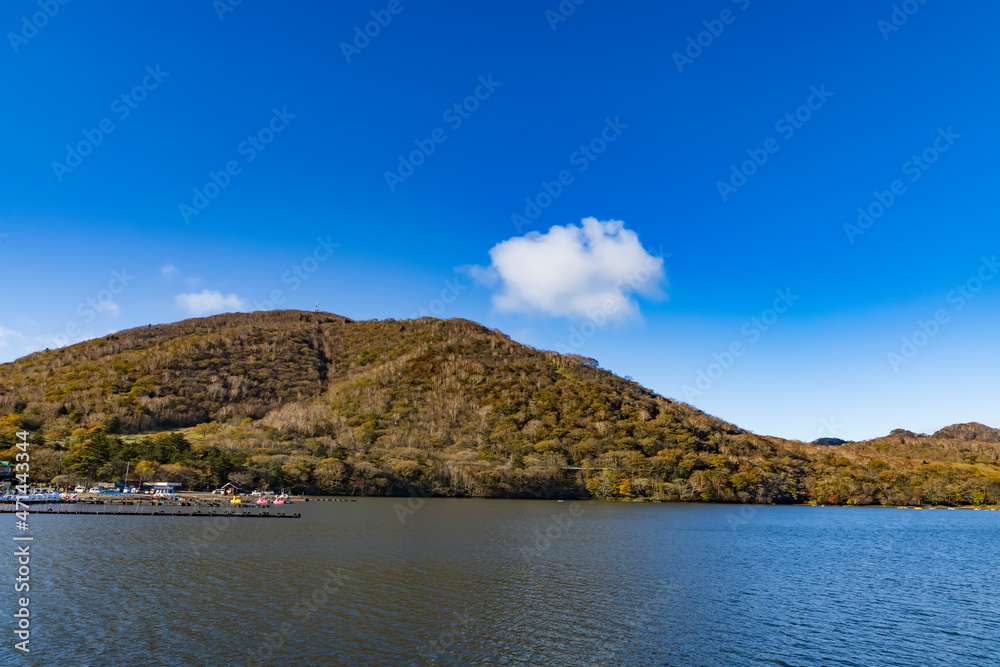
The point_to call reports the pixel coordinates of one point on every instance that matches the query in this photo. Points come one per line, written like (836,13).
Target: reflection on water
(462,582)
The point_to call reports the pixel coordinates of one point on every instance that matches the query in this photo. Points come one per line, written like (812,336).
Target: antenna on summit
(317,306)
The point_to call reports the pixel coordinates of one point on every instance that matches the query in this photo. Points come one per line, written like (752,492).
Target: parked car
(80,489)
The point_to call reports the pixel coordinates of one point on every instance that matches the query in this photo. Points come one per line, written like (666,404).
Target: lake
(504,582)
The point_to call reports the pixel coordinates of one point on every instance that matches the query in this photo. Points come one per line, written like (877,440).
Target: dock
(156,509)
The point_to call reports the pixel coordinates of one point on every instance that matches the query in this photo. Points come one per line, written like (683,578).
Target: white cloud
(7,334)
(209,302)
(168,270)
(108,306)
(573,271)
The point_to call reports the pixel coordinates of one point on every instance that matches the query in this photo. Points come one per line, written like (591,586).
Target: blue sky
(170,159)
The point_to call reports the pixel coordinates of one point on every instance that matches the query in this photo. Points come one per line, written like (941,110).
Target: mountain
(970,431)
(829,442)
(321,403)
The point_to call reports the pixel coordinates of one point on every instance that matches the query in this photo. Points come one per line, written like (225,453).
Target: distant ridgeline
(829,442)
(319,403)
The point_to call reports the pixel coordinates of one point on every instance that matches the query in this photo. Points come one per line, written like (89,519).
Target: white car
(80,489)
(94,489)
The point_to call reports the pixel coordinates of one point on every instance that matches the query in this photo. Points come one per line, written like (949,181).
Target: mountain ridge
(450,407)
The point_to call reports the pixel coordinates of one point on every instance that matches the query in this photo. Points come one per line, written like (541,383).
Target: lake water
(495,582)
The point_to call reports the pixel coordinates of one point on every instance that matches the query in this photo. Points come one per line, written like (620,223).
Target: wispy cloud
(108,307)
(208,301)
(573,271)
(171,273)
(6,335)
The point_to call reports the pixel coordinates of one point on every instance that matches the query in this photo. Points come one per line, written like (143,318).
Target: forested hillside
(323,404)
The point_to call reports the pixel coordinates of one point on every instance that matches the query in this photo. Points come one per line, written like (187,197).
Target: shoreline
(206,499)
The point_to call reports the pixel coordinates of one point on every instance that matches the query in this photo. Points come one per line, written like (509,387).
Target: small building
(6,472)
(228,489)
(165,487)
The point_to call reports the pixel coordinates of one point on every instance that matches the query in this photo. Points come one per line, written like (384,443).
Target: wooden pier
(137,509)
(207,507)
